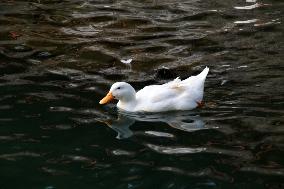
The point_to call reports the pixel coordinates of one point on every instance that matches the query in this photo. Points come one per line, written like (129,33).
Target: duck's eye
(118,87)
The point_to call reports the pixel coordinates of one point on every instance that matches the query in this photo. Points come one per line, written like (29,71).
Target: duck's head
(121,91)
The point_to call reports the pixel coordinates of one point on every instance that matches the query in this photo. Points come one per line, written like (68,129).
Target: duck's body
(175,95)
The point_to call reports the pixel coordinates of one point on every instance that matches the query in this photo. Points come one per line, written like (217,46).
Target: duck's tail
(200,78)
(195,85)
(203,74)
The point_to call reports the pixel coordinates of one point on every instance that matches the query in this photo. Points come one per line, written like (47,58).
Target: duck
(176,95)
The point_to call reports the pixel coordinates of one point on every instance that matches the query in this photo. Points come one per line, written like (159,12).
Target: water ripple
(15,156)
(175,150)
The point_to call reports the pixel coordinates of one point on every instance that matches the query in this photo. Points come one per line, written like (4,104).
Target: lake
(59,58)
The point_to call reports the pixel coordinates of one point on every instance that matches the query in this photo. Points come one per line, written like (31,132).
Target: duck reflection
(185,121)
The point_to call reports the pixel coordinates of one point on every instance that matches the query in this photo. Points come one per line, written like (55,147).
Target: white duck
(175,95)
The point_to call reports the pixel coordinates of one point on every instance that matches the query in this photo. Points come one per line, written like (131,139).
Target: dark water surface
(58,58)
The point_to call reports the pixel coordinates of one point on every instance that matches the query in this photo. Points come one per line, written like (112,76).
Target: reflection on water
(121,126)
(58,58)
(185,121)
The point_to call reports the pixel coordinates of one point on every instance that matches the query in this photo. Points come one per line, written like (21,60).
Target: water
(59,58)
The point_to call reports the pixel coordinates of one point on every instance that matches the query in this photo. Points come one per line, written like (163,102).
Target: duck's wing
(156,99)
(193,82)
(161,93)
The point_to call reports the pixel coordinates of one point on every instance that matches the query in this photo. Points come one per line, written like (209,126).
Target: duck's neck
(128,102)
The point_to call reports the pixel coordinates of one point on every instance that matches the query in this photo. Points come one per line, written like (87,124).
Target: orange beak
(109,97)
